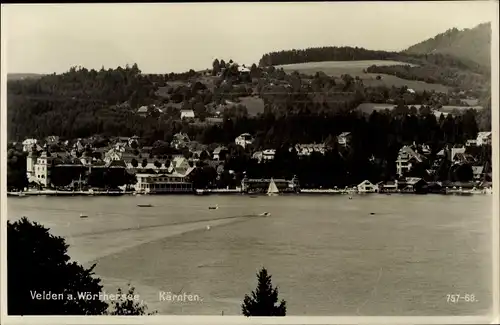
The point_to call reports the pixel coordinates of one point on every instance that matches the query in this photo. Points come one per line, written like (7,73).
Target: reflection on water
(328,255)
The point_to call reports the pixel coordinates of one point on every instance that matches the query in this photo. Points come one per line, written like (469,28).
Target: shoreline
(234,191)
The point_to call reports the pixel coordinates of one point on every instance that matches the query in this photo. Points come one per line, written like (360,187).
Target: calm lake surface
(327,254)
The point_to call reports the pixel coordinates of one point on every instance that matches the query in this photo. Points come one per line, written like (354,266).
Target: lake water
(327,254)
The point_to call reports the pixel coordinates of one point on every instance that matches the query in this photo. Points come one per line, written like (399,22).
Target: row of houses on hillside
(343,139)
(411,155)
(185,114)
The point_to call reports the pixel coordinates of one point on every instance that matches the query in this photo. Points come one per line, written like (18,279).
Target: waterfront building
(164,183)
(42,169)
(31,161)
(414,185)
(367,187)
(388,187)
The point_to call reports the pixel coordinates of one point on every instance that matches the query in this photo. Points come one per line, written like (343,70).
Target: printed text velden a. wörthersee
(103,296)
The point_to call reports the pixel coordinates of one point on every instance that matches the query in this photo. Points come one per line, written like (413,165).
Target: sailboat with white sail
(273,189)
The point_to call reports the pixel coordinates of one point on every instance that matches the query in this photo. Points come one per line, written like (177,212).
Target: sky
(163,38)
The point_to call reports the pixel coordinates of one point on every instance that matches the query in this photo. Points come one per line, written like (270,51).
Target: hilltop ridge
(468,44)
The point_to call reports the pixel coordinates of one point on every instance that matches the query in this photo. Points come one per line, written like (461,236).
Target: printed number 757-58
(455,298)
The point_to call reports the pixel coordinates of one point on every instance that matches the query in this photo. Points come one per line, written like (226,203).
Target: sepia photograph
(250,159)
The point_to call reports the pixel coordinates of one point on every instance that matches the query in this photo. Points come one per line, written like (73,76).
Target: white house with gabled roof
(244,140)
(367,187)
(28,144)
(187,113)
(483,138)
(407,157)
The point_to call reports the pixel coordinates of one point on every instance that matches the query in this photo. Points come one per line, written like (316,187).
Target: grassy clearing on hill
(254,105)
(355,68)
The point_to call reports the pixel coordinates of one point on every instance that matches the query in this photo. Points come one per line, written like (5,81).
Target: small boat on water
(273,189)
(144,205)
(215,207)
(265,214)
(83,216)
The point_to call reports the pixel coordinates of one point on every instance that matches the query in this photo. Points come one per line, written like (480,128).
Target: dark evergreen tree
(262,301)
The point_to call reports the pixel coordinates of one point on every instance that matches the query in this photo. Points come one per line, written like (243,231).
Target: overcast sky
(164,38)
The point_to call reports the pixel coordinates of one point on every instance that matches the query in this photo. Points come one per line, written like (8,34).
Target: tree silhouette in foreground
(263,300)
(38,265)
(128,307)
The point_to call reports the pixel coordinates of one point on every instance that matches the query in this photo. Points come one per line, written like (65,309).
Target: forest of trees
(330,53)
(78,103)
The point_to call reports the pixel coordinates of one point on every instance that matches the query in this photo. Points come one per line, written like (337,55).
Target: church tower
(31,161)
